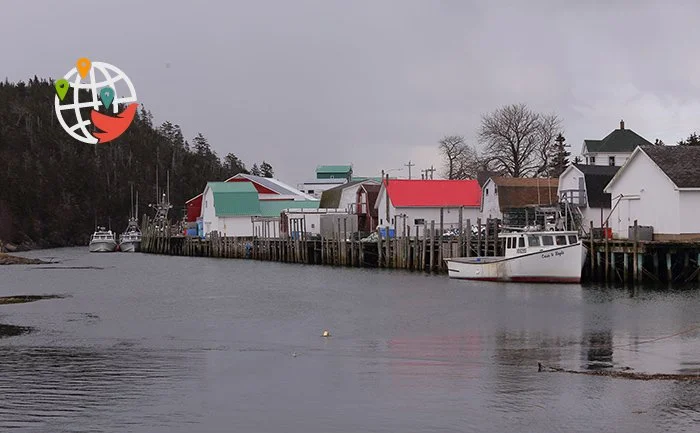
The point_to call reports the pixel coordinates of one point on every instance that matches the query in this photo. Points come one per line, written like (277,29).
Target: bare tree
(460,159)
(519,142)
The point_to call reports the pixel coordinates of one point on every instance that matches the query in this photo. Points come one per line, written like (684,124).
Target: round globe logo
(89,99)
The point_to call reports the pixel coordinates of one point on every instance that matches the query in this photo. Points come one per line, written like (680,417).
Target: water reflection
(598,350)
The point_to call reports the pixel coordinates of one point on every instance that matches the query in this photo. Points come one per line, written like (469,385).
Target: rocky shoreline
(6,259)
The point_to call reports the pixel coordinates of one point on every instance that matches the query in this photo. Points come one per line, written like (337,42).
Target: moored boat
(538,256)
(103,241)
(130,240)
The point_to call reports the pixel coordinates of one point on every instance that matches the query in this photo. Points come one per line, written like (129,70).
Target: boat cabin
(518,243)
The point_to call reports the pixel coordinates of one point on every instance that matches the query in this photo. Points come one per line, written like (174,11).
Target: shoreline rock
(6,259)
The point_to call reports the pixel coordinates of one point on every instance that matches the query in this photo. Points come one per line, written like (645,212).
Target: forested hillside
(55,189)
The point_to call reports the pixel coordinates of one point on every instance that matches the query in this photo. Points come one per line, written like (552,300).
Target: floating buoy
(294,354)
(326,333)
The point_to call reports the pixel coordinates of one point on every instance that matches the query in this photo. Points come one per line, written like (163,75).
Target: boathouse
(327,177)
(367,215)
(344,196)
(415,203)
(510,194)
(582,186)
(659,186)
(268,189)
(614,149)
(228,207)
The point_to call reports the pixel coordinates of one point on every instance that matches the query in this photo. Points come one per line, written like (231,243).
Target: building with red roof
(415,203)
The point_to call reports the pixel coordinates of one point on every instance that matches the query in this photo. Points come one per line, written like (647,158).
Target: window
(311,191)
(533,241)
(508,243)
(312,225)
(206,203)
(521,242)
(592,160)
(611,160)
(487,191)
(547,240)
(495,190)
(561,240)
(572,239)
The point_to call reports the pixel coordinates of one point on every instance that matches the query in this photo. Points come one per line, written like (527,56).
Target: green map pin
(107,96)
(62,86)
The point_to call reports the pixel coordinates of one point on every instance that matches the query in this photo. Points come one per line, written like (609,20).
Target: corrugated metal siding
(235,198)
(273,208)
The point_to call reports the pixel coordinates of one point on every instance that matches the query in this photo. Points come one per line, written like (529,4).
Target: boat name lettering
(553,254)
(521,250)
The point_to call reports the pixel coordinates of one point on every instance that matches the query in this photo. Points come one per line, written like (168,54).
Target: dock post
(599,264)
(607,260)
(669,271)
(635,266)
(442,230)
(414,264)
(432,246)
(380,261)
(625,257)
(407,248)
(478,237)
(461,232)
(469,238)
(387,246)
(345,241)
(591,252)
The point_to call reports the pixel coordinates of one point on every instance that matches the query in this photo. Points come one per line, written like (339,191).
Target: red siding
(261,189)
(194,208)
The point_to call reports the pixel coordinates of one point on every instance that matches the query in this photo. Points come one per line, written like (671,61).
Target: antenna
(168,196)
(157,192)
(409,165)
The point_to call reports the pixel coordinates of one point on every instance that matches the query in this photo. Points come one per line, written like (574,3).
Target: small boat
(537,256)
(130,240)
(103,241)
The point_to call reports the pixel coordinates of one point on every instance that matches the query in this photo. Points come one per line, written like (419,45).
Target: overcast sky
(373,83)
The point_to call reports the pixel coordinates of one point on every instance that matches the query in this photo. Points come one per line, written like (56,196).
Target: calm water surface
(170,344)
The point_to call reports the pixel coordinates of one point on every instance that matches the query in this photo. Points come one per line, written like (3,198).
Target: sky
(373,83)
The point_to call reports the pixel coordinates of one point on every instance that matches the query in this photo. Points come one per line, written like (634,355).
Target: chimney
(622,124)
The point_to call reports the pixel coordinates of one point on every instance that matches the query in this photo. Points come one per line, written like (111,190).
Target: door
(581,191)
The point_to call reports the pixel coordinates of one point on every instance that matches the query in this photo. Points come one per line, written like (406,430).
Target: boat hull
(103,246)
(130,246)
(556,265)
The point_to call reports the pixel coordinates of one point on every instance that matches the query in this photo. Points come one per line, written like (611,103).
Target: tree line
(54,189)
(515,141)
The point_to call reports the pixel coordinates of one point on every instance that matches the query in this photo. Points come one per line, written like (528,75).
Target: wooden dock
(626,261)
(424,251)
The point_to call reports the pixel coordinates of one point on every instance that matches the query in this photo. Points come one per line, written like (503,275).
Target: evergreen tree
(560,159)
(255,171)
(266,170)
(692,140)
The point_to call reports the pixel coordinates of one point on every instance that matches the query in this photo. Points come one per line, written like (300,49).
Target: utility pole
(429,170)
(409,165)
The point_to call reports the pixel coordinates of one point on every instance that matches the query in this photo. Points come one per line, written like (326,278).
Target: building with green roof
(334,172)
(227,208)
(614,149)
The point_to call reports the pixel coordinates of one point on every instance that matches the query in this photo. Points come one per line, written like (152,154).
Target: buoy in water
(326,333)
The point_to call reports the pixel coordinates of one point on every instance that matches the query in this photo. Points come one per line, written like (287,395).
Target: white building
(614,149)
(501,194)
(415,203)
(344,196)
(582,186)
(227,208)
(659,186)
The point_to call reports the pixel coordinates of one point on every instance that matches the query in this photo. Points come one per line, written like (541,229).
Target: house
(344,196)
(228,207)
(367,215)
(659,186)
(503,194)
(267,188)
(327,177)
(582,186)
(614,149)
(415,203)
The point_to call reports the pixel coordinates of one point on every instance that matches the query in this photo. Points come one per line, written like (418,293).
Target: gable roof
(433,193)
(330,198)
(596,178)
(339,169)
(272,184)
(620,140)
(516,192)
(679,163)
(234,198)
(273,208)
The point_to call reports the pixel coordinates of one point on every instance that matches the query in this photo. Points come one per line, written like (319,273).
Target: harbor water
(147,343)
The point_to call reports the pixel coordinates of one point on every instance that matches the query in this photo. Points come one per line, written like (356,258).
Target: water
(170,344)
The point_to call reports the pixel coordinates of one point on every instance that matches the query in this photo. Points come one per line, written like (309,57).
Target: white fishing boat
(130,240)
(537,256)
(103,241)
